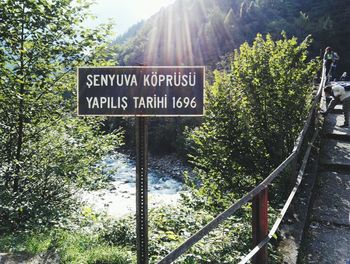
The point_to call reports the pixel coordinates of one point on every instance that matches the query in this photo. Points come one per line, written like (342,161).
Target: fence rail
(259,197)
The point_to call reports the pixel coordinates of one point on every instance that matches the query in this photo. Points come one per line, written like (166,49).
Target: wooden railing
(259,196)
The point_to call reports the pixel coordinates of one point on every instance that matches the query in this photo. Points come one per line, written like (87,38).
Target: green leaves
(46,152)
(253,115)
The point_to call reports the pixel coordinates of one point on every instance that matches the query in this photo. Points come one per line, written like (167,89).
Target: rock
(328,245)
(44,258)
(332,201)
(113,188)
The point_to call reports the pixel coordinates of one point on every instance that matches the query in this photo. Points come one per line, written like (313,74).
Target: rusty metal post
(260,224)
(141,190)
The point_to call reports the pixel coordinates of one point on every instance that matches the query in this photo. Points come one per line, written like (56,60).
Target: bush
(62,161)
(170,226)
(254,113)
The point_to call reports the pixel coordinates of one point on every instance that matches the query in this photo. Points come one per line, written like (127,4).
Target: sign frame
(141,115)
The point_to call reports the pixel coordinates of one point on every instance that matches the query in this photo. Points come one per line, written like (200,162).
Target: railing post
(260,224)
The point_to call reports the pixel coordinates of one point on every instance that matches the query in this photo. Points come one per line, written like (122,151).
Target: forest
(210,29)
(262,60)
(205,32)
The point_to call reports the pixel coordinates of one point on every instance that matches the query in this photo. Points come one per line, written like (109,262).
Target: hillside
(200,31)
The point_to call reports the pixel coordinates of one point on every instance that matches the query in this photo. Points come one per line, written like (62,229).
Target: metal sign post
(141,190)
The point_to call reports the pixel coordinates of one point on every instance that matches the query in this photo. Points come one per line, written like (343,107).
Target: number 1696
(184,102)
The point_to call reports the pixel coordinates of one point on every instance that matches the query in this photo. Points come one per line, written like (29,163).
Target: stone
(332,129)
(335,152)
(43,258)
(332,200)
(327,244)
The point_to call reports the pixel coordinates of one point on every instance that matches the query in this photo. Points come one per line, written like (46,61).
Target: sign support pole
(142,190)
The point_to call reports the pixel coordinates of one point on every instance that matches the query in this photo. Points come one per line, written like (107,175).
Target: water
(121,200)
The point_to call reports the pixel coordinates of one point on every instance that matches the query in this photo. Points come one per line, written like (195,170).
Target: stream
(119,199)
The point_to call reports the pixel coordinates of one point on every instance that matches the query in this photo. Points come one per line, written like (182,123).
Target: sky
(124,13)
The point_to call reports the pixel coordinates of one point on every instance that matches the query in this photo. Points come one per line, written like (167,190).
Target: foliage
(165,135)
(46,153)
(89,249)
(170,226)
(31,244)
(253,115)
(215,27)
(100,239)
(200,32)
(71,247)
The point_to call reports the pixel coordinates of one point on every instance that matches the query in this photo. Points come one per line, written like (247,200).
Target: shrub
(254,113)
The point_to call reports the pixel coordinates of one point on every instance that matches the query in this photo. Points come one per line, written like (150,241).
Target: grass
(25,243)
(72,247)
(113,241)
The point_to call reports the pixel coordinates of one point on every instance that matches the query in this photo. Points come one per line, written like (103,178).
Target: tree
(254,113)
(45,151)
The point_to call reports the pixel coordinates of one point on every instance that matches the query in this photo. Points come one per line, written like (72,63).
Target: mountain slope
(200,31)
